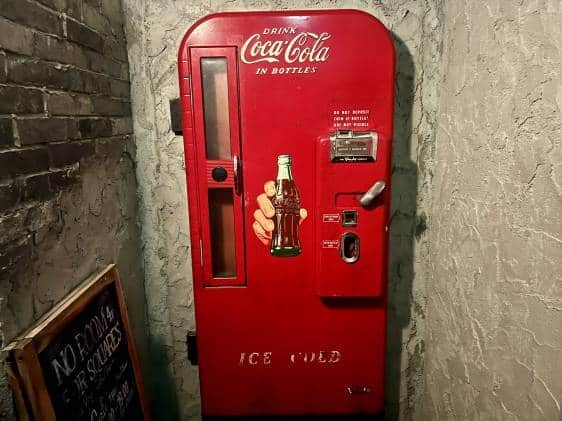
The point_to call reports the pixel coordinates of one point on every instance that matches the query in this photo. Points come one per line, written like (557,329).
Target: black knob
(219,174)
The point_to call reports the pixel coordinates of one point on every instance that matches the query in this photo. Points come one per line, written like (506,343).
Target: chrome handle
(236,174)
(376,189)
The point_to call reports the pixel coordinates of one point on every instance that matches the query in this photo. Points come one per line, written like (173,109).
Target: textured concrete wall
(154,29)
(67,180)
(495,298)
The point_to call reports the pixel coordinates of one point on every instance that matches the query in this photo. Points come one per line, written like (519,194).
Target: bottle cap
(284,159)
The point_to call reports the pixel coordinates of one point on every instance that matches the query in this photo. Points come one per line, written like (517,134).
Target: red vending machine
(287,125)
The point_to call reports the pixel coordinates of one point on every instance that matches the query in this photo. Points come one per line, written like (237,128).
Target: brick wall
(67,176)
(63,86)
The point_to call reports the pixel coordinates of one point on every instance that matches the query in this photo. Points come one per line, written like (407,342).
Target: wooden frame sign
(79,361)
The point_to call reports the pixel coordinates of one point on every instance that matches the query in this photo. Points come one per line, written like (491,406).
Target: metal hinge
(191,341)
(175,116)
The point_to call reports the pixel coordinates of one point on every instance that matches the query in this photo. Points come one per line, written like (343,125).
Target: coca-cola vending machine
(287,125)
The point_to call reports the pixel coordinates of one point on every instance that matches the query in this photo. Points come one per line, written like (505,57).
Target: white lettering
(267,358)
(80,381)
(68,363)
(313,358)
(298,51)
(255,358)
(336,357)
(304,47)
(104,351)
(252,358)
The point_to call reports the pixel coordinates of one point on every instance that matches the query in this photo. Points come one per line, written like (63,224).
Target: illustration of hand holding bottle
(277,219)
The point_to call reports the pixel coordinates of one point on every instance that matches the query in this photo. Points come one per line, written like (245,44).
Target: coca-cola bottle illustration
(285,237)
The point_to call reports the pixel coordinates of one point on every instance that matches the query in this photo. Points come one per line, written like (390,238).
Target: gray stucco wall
(495,296)
(154,29)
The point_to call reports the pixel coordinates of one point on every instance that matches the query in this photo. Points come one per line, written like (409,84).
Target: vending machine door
(287,125)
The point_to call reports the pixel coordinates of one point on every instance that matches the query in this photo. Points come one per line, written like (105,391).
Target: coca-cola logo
(303,47)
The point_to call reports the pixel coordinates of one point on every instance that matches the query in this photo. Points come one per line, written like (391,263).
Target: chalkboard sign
(79,361)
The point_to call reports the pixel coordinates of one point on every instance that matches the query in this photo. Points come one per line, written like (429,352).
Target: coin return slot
(349,247)
(349,218)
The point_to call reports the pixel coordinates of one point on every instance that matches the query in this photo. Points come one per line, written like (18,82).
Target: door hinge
(201,251)
(175,116)
(191,341)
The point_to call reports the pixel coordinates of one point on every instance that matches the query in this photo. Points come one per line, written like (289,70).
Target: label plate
(350,146)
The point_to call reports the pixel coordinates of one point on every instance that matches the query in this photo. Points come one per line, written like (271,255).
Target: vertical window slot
(221,221)
(216,107)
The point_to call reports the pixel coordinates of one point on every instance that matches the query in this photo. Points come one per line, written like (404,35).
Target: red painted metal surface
(305,334)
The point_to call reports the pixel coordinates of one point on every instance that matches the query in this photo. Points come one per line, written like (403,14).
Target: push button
(219,174)
(349,218)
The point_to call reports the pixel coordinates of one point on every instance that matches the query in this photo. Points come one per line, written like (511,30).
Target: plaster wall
(495,296)
(154,30)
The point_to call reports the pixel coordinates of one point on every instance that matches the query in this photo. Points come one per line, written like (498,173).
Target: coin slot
(349,247)
(349,218)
